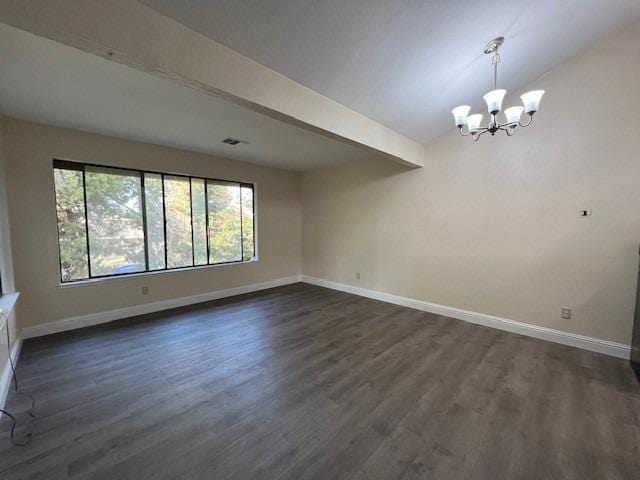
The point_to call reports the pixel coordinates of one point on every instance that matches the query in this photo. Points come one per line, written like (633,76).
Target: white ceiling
(404,63)
(47,82)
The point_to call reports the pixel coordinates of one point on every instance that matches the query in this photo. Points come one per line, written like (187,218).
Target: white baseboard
(110,315)
(558,336)
(7,378)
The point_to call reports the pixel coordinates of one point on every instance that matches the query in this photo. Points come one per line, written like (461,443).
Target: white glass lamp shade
(531,100)
(460,114)
(513,114)
(474,121)
(494,100)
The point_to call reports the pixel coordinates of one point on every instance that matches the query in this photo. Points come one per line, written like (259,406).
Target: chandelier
(530,100)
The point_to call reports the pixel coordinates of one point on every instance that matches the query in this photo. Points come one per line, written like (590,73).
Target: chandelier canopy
(530,101)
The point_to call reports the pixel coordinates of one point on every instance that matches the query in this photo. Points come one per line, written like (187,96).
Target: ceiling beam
(131,33)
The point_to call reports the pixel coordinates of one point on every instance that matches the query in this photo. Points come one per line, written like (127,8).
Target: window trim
(80,166)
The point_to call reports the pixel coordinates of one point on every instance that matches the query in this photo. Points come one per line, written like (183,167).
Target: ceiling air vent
(233,141)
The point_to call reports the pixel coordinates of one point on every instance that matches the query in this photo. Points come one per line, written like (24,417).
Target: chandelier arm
(530,115)
(508,128)
(478,132)
(461,131)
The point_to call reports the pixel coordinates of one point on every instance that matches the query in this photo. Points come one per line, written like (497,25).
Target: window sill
(7,303)
(93,281)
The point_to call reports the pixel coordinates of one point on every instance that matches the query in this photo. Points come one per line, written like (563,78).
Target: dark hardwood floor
(301,382)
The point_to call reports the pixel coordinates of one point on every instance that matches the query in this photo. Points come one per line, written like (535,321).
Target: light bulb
(531,100)
(460,114)
(494,100)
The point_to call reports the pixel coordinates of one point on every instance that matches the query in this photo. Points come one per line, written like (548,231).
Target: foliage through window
(115,221)
(113,201)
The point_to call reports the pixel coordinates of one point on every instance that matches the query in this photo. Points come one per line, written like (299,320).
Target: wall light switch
(565,313)
(145,290)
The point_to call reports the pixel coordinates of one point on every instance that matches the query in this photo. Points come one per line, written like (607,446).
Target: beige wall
(493,227)
(29,150)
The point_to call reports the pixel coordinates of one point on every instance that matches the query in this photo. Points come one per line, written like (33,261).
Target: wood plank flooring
(301,382)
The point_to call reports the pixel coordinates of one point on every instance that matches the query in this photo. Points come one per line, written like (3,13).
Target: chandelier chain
(495,60)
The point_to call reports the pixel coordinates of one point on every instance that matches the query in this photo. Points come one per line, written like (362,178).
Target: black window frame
(80,166)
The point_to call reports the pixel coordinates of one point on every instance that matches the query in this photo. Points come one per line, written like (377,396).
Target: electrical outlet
(565,313)
(145,290)
(357,275)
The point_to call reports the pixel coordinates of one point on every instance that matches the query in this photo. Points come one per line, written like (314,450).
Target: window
(199,221)
(115,221)
(225,220)
(72,227)
(113,201)
(177,214)
(248,243)
(154,208)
